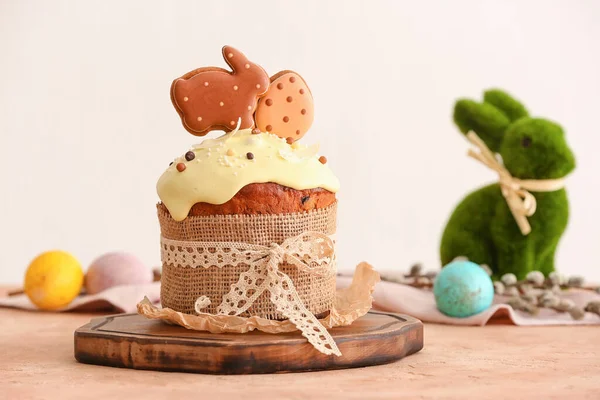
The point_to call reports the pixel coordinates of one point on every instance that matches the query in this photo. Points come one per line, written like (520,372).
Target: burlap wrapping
(182,285)
(350,304)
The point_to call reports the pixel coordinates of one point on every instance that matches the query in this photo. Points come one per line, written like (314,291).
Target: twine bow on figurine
(521,202)
(310,252)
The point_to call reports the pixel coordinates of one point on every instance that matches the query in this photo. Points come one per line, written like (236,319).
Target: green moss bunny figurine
(514,225)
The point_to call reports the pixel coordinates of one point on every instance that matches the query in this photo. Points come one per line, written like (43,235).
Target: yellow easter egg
(53,280)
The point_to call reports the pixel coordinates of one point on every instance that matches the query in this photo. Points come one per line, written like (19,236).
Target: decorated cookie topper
(287,108)
(213,98)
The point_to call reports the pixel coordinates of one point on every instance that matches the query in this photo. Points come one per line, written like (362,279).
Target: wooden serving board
(132,341)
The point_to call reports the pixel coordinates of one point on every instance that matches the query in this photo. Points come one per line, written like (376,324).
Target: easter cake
(252,187)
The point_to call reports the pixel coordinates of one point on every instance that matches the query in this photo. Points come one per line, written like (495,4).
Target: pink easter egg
(116,269)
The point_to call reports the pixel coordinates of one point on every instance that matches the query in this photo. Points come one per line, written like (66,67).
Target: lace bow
(521,202)
(311,252)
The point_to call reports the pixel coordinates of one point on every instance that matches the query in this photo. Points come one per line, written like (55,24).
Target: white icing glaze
(215,177)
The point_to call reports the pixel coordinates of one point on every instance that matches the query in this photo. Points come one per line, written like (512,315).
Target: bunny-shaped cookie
(213,98)
(482,227)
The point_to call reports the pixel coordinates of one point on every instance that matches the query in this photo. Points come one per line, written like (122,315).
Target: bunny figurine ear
(487,121)
(511,107)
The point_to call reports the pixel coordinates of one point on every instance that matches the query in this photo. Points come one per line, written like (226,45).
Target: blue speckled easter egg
(463,289)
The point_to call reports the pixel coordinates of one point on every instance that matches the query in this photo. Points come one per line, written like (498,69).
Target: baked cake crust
(267,198)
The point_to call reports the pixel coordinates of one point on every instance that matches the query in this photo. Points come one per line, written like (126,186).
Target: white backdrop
(87,125)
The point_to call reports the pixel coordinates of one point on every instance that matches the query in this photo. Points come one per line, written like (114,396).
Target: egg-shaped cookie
(287,108)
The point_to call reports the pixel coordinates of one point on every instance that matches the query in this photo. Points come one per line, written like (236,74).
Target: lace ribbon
(311,252)
(522,204)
